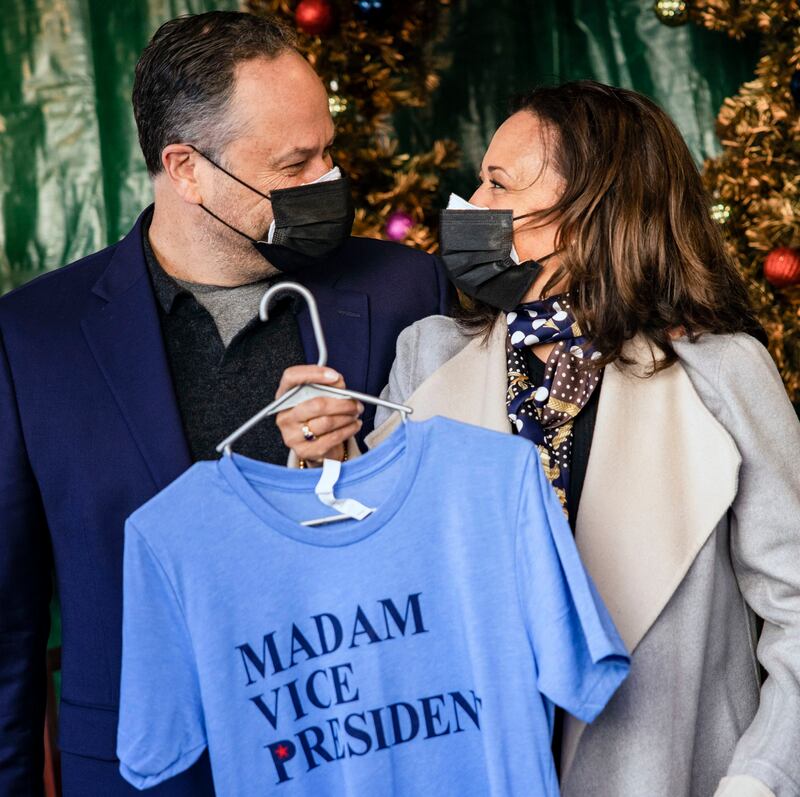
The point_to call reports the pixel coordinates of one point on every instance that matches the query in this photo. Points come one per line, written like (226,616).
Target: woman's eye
(495,184)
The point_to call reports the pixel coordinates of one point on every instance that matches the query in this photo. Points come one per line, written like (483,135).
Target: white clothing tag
(457,203)
(331,468)
(333,174)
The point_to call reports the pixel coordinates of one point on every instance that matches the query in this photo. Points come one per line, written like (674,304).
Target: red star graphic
(282,751)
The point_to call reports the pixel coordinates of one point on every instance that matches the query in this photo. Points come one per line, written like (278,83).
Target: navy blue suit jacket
(89,431)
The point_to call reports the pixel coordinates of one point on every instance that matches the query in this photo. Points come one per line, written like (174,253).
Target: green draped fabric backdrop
(71,176)
(497,48)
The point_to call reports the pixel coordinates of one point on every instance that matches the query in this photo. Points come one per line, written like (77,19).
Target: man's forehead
(282,106)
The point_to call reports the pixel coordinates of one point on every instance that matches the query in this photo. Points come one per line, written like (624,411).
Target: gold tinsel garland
(756,180)
(371,69)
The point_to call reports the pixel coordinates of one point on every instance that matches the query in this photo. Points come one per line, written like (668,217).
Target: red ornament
(782,267)
(313,17)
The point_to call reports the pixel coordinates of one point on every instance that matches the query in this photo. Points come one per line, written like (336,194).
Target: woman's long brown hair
(639,250)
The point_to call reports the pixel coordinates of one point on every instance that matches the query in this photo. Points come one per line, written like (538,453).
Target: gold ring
(308,434)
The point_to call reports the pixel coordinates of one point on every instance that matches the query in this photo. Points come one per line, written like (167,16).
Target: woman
(661,423)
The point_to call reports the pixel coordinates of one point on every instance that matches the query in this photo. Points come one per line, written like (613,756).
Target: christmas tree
(376,57)
(755,182)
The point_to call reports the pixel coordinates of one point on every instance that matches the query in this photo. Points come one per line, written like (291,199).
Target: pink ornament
(398,225)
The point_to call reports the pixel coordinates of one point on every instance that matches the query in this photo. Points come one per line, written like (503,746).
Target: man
(120,370)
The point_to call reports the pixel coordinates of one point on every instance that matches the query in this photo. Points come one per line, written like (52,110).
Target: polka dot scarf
(545,413)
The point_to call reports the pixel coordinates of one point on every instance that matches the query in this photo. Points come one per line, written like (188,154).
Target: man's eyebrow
(296,154)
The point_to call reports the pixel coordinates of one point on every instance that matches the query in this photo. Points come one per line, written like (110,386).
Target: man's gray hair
(185,79)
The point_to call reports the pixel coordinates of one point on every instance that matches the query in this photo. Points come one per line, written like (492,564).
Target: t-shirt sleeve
(161,728)
(580,658)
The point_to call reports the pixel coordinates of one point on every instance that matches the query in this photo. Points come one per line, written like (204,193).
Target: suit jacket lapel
(345,322)
(125,338)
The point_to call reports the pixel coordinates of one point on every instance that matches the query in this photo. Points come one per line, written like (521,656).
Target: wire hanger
(350,508)
(301,393)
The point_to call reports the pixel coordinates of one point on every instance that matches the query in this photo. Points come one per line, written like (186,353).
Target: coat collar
(661,469)
(662,473)
(470,388)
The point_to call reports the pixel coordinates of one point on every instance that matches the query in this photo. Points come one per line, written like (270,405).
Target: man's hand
(331,421)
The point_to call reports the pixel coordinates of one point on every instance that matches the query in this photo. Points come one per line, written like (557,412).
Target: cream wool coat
(689,524)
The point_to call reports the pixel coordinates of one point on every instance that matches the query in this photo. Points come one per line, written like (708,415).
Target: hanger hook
(316,325)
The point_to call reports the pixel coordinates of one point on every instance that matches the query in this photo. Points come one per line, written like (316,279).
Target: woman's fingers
(316,410)
(303,374)
(328,421)
(320,428)
(328,444)
(322,407)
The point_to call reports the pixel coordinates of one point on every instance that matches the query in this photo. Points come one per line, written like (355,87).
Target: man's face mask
(309,221)
(477,249)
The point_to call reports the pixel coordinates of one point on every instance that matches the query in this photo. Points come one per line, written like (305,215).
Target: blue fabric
(89,431)
(419,651)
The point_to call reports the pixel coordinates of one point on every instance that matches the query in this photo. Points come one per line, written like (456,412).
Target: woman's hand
(331,421)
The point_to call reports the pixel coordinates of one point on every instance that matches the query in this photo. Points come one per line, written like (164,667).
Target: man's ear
(182,164)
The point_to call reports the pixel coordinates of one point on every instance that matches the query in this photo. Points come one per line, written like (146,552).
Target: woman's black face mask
(476,250)
(311,221)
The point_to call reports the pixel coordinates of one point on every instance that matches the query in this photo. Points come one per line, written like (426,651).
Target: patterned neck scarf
(545,413)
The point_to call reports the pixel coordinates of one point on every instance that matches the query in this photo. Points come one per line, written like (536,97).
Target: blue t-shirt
(417,652)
